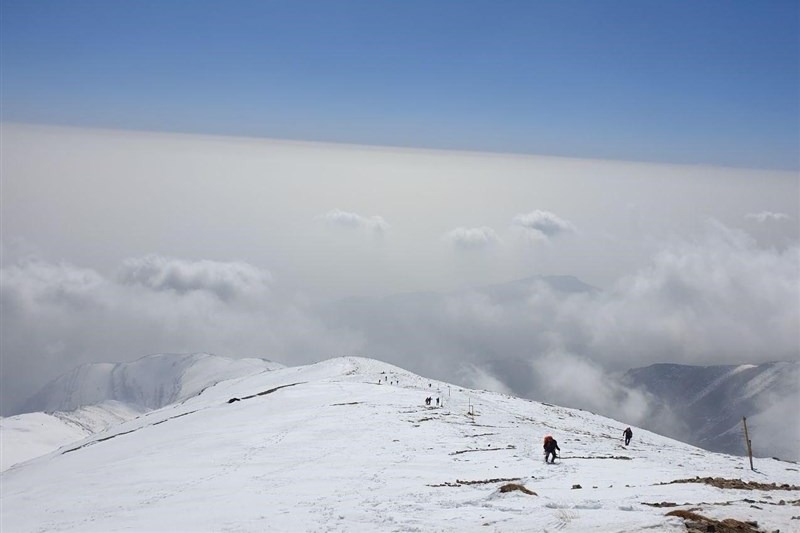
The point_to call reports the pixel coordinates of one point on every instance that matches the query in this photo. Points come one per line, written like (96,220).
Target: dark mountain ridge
(710,401)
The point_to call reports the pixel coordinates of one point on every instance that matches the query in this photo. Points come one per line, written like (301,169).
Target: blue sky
(683,82)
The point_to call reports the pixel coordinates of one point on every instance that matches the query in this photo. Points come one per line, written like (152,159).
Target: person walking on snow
(628,434)
(550,447)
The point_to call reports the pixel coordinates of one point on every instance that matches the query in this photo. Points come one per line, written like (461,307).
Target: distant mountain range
(706,405)
(149,383)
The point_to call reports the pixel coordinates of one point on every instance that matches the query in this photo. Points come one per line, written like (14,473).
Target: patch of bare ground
(697,523)
(270,391)
(753,503)
(723,483)
(509,487)
(460,482)
(509,447)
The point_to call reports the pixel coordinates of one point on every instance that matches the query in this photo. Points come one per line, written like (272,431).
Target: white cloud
(226,280)
(58,316)
(346,219)
(575,381)
(476,377)
(719,298)
(767,216)
(471,238)
(542,225)
(40,285)
(774,423)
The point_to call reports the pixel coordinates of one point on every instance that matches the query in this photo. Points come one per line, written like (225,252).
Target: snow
(715,385)
(30,435)
(768,378)
(151,382)
(326,447)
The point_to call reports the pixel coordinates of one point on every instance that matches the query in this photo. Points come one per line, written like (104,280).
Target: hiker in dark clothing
(550,447)
(627,434)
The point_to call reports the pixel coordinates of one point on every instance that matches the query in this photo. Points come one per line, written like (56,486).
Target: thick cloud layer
(82,212)
(718,299)
(56,316)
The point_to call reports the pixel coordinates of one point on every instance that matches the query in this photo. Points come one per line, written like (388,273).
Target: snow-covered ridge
(150,382)
(29,435)
(95,397)
(349,445)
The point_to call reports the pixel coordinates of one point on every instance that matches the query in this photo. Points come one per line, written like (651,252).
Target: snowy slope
(150,382)
(327,448)
(96,396)
(29,435)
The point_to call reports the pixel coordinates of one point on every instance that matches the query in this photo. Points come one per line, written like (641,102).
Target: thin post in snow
(747,441)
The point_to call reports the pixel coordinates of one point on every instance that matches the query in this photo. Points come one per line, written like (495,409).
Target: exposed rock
(516,486)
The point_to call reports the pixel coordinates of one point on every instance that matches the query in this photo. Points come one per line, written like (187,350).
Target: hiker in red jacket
(550,447)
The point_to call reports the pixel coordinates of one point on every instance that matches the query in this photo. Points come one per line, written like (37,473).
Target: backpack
(547,440)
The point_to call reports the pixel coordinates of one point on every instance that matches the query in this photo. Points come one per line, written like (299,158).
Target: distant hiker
(437,402)
(627,434)
(550,447)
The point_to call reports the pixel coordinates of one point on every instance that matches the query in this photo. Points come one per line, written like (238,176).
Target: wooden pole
(749,444)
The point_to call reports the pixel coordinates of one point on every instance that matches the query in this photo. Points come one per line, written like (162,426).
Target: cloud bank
(225,280)
(57,316)
(719,298)
(715,299)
